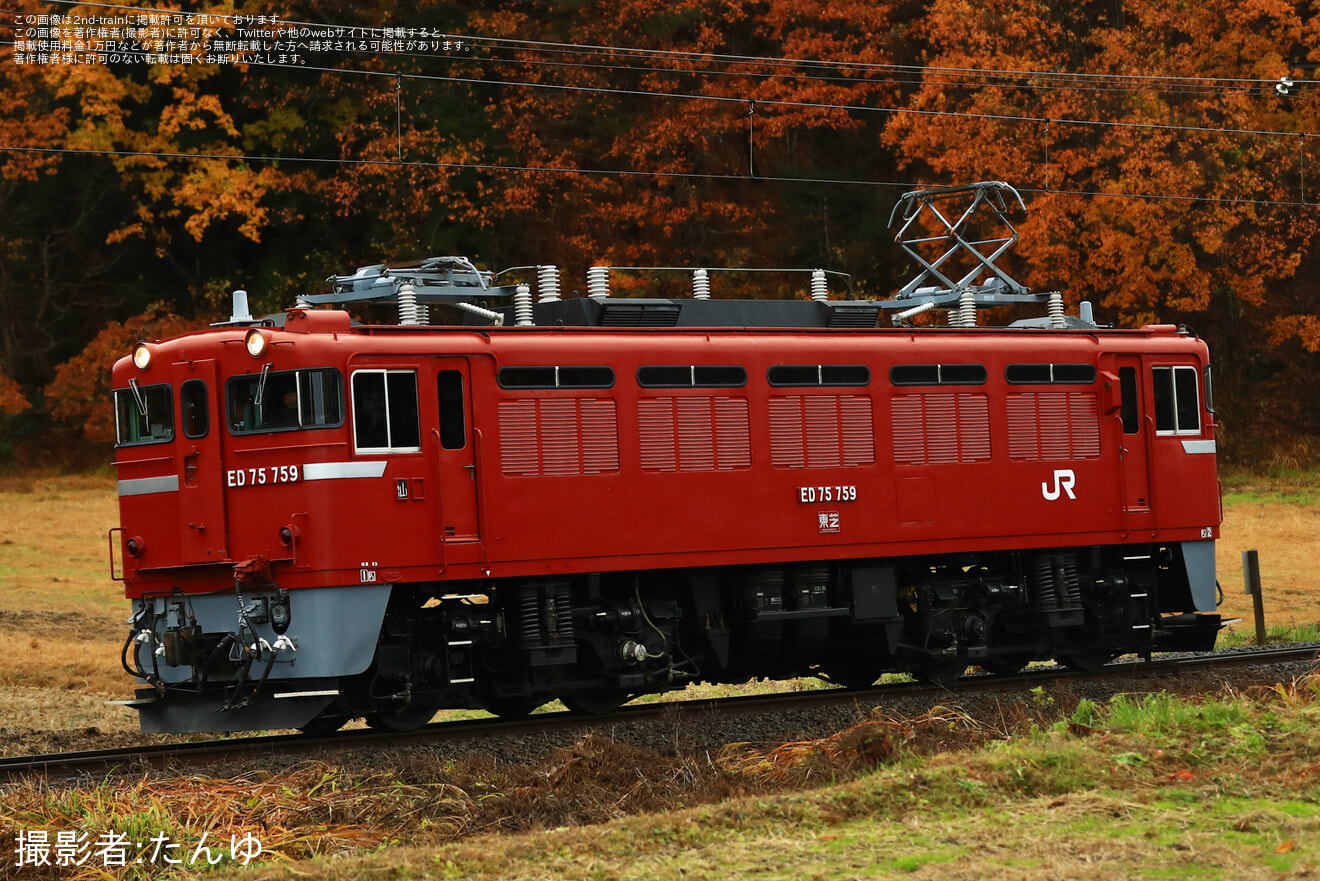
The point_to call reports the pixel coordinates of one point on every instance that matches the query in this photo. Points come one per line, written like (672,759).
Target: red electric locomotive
(589,499)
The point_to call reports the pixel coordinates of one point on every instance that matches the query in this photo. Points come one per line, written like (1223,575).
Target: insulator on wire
(1056,310)
(820,288)
(547,284)
(967,308)
(522,305)
(700,285)
(598,282)
(407,304)
(912,313)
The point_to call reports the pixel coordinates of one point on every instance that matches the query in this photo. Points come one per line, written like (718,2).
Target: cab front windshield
(144,415)
(285,400)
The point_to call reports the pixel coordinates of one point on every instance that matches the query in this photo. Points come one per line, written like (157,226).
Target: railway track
(101,761)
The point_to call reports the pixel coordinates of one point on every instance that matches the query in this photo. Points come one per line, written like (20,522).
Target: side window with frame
(1127,386)
(1177,404)
(285,400)
(385,416)
(144,415)
(195,404)
(453,430)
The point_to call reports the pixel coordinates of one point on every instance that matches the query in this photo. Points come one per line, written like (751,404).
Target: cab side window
(385,416)
(1177,404)
(1127,383)
(196,410)
(453,431)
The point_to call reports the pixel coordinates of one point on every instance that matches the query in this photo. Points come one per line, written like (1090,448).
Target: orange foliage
(27,118)
(194,120)
(11,396)
(1214,232)
(80,391)
(701,126)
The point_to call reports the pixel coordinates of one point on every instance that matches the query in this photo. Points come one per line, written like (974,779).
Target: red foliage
(11,396)
(80,392)
(1224,222)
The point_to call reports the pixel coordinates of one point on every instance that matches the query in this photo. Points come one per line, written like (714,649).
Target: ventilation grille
(694,434)
(821,431)
(569,436)
(936,429)
(853,316)
(1053,426)
(639,315)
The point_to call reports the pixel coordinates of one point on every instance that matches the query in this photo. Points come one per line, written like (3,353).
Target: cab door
(454,446)
(1133,450)
(202,519)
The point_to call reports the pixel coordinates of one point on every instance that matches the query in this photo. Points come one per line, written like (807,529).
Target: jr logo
(1064,481)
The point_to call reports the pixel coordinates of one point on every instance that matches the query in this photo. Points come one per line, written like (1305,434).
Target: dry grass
(1287,537)
(308,810)
(53,548)
(881,739)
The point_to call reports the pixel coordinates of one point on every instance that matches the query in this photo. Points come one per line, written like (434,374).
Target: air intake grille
(853,316)
(639,315)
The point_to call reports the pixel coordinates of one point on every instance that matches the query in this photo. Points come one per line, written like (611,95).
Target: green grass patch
(1243,633)
(1273,483)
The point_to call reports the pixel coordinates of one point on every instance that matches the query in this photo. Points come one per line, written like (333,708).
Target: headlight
(256,343)
(142,356)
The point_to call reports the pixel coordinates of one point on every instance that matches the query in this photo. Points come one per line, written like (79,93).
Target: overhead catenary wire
(729,58)
(1176,83)
(773,102)
(477,81)
(606,172)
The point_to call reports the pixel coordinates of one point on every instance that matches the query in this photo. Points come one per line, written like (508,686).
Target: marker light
(142,356)
(256,343)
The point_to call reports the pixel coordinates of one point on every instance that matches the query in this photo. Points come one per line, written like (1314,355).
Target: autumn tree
(11,397)
(79,395)
(1153,111)
(732,99)
(666,133)
(1164,176)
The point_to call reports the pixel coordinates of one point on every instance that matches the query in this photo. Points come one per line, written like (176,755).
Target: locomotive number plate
(236,477)
(809,494)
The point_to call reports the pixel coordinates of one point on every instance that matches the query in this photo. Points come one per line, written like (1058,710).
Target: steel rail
(105,760)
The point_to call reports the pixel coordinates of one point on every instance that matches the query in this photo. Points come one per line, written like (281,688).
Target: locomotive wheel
(595,702)
(511,708)
(944,673)
(851,677)
(328,722)
(401,721)
(1086,661)
(1005,665)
